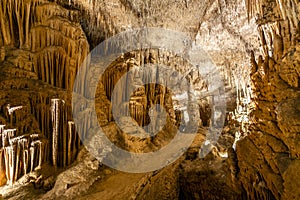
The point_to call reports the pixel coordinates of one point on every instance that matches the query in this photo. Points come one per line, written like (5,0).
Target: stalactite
(10,18)
(144,97)
(27,21)
(15,12)
(4,24)
(282,9)
(53,47)
(278,46)
(254,66)
(263,42)
(19,15)
(31,33)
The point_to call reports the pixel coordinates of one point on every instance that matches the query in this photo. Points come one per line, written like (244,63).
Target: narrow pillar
(56,104)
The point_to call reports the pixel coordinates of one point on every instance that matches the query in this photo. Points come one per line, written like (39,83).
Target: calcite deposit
(247,144)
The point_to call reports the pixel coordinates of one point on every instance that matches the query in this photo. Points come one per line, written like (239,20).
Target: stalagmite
(6,161)
(266,68)
(2,128)
(25,160)
(263,42)
(17,163)
(61,128)
(7,135)
(55,109)
(71,141)
(10,164)
(32,154)
(39,146)
(4,28)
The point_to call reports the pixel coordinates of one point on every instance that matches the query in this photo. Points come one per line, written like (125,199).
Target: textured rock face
(42,46)
(269,156)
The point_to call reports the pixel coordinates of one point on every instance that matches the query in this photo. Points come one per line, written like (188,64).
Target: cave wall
(268,158)
(42,47)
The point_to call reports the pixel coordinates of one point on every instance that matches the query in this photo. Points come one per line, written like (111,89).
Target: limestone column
(56,105)
(71,141)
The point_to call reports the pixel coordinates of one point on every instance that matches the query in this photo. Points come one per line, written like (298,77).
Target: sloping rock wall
(268,158)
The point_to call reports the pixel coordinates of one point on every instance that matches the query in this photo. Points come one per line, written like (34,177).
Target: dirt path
(117,186)
(120,185)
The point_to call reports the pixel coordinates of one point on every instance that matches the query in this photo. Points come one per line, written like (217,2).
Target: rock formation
(272,140)
(42,48)
(255,46)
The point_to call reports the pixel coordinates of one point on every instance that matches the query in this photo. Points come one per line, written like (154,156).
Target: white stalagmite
(71,141)
(38,148)
(6,159)
(55,121)
(32,158)
(7,135)
(25,160)
(2,135)
(23,144)
(2,128)
(14,154)
(10,164)
(17,162)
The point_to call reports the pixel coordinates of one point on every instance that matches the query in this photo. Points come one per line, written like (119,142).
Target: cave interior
(241,100)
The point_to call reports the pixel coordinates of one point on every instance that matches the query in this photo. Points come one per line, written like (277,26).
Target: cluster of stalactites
(241,113)
(278,24)
(95,18)
(16,12)
(276,38)
(65,141)
(287,9)
(143,98)
(57,47)
(20,154)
